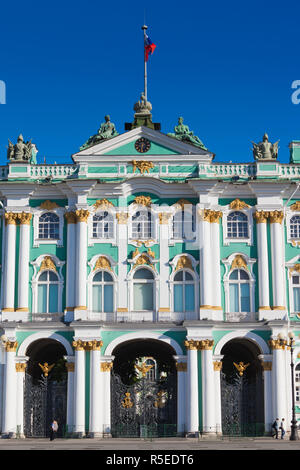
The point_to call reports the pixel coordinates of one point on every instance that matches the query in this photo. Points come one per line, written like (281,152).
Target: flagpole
(144,28)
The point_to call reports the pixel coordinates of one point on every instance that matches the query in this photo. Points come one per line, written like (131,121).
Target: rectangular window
(42,298)
(178,298)
(189,298)
(108,298)
(97,299)
(143,296)
(234,298)
(245,298)
(296,296)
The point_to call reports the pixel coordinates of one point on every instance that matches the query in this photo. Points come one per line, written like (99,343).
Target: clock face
(142,145)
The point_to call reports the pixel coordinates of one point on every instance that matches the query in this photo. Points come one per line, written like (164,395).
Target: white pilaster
(215,264)
(181,367)
(205,266)
(95,428)
(263,264)
(79,389)
(70,393)
(279,392)
(208,387)
(122,235)
(192,387)
(9,263)
(70,266)
(81,259)
(20,369)
(164,291)
(217,385)
(105,368)
(23,272)
(266,361)
(277,249)
(10,394)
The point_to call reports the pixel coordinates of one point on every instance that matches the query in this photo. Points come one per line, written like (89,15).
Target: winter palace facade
(146,287)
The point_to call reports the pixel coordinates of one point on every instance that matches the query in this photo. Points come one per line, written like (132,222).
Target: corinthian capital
(276,217)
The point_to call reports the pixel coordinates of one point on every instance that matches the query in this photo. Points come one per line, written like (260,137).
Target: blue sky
(226,67)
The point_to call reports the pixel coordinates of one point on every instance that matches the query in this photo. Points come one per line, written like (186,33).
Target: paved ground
(175,445)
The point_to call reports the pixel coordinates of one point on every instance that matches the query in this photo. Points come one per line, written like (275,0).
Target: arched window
(103,290)
(151,373)
(184,292)
(49,226)
(142,225)
(239,291)
(296,292)
(143,290)
(237,225)
(184,224)
(295,226)
(103,225)
(47,292)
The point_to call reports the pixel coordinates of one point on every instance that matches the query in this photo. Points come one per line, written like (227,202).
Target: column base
(8,435)
(192,435)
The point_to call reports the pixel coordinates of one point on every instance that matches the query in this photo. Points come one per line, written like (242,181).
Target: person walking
(282,427)
(275,426)
(54,428)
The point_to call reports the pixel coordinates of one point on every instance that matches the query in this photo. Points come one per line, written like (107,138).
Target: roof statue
(265,150)
(22,151)
(143,106)
(142,115)
(183,133)
(106,131)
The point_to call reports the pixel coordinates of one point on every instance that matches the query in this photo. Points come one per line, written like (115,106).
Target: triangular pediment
(123,145)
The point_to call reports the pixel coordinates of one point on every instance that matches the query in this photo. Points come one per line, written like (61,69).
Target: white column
(71,258)
(122,293)
(79,389)
(205,264)
(218,400)
(192,387)
(266,362)
(261,218)
(95,428)
(70,393)
(278,380)
(181,367)
(23,274)
(277,249)
(9,263)
(20,369)
(105,368)
(215,255)
(10,394)
(208,387)
(164,291)
(81,258)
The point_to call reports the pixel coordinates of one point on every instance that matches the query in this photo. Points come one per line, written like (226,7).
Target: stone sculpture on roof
(183,133)
(22,151)
(106,131)
(265,150)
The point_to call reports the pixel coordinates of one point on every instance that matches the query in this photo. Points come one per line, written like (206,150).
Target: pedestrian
(275,426)
(53,431)
(282,427)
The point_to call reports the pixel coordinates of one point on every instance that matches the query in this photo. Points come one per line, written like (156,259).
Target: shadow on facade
(242,389)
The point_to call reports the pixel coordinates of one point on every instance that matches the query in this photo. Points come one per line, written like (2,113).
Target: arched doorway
(45,392)
(143,389)
(242,391)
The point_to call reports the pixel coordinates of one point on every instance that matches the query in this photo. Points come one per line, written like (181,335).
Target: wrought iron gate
(44,400)
(241,414)
(147,408)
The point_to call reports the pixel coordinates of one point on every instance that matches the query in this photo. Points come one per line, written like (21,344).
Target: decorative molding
(47,264)
(267,366)
(164,218)
(217,366)
(277,344)
(238,262)
(295,206)
(142,165)
(82,215)
(143,201)
(106,366)
(48,205)
(21,366)
(211,216)
(25,218)
(143,259)
(70,366)
(181,366)
(237,204)
(184,262)
(276,217)
(181,203)
(10,218)
(261,217)
(203,344)
(122,217)
(11,346)
(102,263)
(103,204)
(70,217)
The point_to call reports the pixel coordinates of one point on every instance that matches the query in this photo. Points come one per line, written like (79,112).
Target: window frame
(182,211)
(96,240)
(102,283)
(184,282)
(248,212)
(59,212)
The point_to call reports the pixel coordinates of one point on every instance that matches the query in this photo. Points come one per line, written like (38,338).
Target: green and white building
(144,251)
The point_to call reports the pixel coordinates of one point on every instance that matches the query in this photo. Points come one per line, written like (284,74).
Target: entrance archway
(143,389)
(45,392)
(242,391)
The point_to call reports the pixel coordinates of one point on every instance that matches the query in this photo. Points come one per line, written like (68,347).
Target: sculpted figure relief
(265,150)
(22,151)
(183,133)
(107,130)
